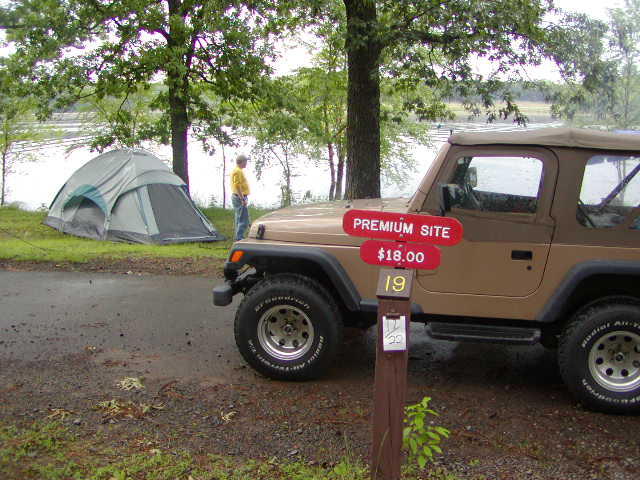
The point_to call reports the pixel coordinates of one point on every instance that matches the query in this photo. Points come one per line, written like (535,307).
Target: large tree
(439,44)
(611,98)
(624,44)
(274,125)
(323,92)
(68,50)
(322,110)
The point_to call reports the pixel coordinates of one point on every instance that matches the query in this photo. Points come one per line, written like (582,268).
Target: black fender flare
(255,253)
(580,272)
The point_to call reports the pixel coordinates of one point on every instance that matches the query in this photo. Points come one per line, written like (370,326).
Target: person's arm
(236,187)
(243,197)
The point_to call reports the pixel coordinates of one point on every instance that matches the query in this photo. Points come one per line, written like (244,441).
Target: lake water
(35,183)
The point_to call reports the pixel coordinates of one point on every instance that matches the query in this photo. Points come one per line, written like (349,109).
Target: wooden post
(394,312)
(394,315)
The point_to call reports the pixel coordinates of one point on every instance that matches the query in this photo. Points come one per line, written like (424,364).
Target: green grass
(529,108)
(24,237)
(53,451)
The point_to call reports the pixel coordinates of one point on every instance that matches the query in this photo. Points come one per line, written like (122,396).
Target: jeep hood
(319,223)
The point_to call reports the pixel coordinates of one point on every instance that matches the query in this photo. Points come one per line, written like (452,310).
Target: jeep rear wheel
(288,328)
(599,357)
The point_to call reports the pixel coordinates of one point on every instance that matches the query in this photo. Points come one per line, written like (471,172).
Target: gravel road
(68,338)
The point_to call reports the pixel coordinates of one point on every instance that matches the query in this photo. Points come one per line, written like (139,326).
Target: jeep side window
(508,184)
(610,192)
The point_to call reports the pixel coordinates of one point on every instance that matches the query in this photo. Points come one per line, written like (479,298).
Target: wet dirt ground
(68,338)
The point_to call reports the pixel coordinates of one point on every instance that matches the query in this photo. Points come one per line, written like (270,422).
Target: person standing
(240,197)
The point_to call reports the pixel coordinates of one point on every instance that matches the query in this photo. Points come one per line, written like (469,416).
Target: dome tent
(130,196)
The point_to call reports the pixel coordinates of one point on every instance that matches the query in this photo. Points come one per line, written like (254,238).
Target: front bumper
(222,295)
(235,283)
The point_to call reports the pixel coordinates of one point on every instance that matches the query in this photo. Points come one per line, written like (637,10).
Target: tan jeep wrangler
(551,254)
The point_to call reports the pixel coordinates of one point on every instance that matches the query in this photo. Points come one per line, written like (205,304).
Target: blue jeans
(242,221)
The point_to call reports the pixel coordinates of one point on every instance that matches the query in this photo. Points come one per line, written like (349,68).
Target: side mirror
(471,177)
(445,199)
(451,195)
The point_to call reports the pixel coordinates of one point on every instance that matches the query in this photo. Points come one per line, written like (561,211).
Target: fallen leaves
(226,417)
(59,413)
(130,383)
(168,390)
(114,408)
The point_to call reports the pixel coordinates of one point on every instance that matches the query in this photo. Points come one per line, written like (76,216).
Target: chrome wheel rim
(614,361)
(285,332)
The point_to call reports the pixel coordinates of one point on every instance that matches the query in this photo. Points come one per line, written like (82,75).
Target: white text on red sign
(403,226)
(400,254)
(368,225)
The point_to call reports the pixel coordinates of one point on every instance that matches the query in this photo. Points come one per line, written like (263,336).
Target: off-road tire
(551,336)
(288,328)
(599,357)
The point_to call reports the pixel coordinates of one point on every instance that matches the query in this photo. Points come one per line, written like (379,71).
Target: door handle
(521,255)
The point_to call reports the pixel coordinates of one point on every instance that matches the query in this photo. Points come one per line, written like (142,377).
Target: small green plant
(419,437)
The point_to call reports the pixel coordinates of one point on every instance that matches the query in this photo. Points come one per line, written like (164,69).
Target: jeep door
(502,195)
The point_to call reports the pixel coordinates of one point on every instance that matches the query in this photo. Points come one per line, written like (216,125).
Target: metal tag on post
(394,333)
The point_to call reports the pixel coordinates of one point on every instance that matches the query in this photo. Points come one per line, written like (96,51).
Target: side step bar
(467,332)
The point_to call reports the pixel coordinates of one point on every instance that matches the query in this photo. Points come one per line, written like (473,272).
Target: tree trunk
(332,170)
(179,135)
(178,91)
(288,177)
(339,173)
(4,177)
(224,178)
(363,100)
(287,196)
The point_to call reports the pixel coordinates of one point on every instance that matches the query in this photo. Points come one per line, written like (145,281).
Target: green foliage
(610,94)
(156,466)
(420,438)
(274,123)
(45,439)
(420,47)
(119,122)
(37,452)
(323,90)
(437,48)
(400,132)
(73,50)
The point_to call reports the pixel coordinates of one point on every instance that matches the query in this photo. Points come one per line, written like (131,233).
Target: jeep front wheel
(288,328)
(599,358)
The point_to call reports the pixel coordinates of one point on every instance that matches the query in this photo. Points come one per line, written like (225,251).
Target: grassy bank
(535,111)
(23,237)
(55,451)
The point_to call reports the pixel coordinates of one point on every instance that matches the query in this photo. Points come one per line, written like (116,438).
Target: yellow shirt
(239,184)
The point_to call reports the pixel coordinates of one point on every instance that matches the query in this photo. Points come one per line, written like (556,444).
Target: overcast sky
(594,8)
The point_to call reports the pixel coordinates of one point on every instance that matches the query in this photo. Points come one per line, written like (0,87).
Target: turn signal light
(237,256)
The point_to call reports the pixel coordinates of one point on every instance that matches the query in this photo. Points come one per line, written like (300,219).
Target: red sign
(406,227)
(396,254)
